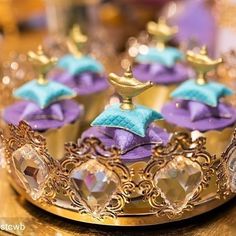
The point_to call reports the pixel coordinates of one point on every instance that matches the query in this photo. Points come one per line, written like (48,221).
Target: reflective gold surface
(56,138)
(216,141)
(142,220)
(93,105)
(15,209)
(156,96)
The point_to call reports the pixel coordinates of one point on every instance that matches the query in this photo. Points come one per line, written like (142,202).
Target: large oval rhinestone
(232,162)
(30,169)
(95,184)
(233,183)
(178,181)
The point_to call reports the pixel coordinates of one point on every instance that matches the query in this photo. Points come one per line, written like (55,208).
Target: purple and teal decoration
(167,56)
(208,93)
(76,65)
(135,121)
(43,94)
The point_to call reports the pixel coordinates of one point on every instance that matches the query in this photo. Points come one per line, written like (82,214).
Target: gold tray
(204,206)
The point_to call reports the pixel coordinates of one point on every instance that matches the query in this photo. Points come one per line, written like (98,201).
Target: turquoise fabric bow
(167,57)
(208,93)
(44,94)
(135,121)
(79,65)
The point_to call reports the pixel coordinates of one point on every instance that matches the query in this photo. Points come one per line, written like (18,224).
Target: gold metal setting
(59,171)
(180,146)
(128,87)
(202,63)
(226,170)
(93,149)
(41,63)
(124,192)
(24,135)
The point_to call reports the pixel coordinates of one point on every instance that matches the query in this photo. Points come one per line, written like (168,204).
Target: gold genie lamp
(128,87)
(84,74)
(76,41)
(160,63)
(161,31)
(202,64)
(41,63)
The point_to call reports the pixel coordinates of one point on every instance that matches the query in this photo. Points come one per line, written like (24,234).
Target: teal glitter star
(167,57)
(135,121)
(43,94)
(208,93)
(79,65)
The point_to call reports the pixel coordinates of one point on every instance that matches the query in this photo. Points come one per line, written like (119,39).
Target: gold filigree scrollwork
(23,135)
(108,160)
(167,161)
(181,156)
(226,170)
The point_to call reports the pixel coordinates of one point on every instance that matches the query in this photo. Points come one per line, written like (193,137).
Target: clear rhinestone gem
(232,162)
(31,170)
(95,184)
(233,183)
(178,181)
(2,158)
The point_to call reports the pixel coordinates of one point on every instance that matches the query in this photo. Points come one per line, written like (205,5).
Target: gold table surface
(15,210)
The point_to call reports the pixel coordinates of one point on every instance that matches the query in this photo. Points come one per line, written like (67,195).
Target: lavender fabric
(135,121)
(42,119)
(193,116)
(133,147)
(160,74)
(196,24)
(33,112)
(199,111)
(83,84)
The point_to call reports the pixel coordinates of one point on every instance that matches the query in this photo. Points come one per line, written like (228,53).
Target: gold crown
(92,183)
(76,41)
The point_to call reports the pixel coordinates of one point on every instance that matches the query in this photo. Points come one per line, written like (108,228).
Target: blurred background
(116,29)
(25,23)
